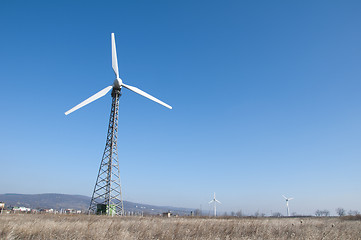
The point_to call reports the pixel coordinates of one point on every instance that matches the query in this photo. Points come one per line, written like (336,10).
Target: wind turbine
(215,201)
(106,196)
(288,208)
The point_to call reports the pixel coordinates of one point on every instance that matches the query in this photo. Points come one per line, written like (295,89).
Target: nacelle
(117,83)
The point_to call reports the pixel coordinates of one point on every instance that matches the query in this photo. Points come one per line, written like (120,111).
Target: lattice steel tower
(107,195)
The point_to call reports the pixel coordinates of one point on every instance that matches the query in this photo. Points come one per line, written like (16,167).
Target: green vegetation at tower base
(103,209)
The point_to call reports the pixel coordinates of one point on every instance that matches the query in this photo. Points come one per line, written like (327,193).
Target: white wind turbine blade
(217,201)
(114,57)
(211,201)
(91,99)
(144,94)
(290,198)
(284,197)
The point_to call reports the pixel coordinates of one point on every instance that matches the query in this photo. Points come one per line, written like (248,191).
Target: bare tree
(353,213)
(239,213)
(324,213)
(277,214)
(197,212)
(341,212)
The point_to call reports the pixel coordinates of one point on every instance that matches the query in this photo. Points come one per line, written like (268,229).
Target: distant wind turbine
(215,201)
(288,208)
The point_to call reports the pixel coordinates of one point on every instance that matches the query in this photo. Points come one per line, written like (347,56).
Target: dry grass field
(29,226)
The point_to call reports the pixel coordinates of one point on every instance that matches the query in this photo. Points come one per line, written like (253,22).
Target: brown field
(37,226)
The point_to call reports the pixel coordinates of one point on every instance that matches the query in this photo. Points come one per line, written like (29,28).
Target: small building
(70,211)
(21,209)
(35,211)
(2,206)
(167,214)
(46,210)
(25,209)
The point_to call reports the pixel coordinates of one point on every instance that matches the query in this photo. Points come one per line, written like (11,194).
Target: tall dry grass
(30,226)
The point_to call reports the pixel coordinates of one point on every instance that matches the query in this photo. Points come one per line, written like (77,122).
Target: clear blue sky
(265,95)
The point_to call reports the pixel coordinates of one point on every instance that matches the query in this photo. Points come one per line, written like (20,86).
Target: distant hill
(80,202)
(47,200)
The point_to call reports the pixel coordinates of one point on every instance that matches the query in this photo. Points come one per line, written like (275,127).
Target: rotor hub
(117,83)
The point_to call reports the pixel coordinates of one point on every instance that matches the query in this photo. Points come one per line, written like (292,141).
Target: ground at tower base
(46,226)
